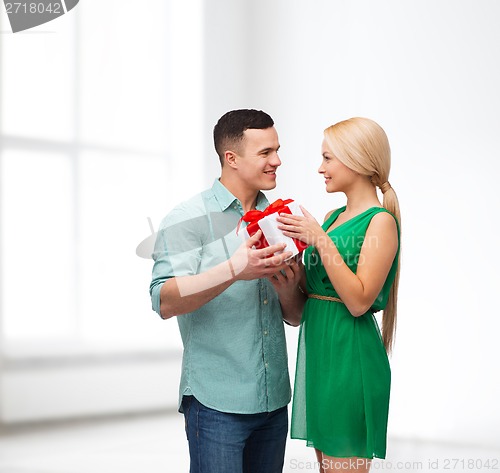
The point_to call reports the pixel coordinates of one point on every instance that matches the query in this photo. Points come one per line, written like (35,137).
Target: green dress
(342,380)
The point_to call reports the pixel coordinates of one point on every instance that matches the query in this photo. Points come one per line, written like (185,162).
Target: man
(234,385)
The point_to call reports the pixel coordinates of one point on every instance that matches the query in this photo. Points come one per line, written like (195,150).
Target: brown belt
(325,298)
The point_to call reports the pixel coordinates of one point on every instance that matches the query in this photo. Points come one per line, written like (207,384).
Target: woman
(342,383)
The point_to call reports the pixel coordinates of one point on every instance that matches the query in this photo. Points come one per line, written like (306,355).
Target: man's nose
(275,160)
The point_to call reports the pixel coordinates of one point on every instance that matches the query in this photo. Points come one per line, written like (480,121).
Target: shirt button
(265,301)
(266,364)
(265,332)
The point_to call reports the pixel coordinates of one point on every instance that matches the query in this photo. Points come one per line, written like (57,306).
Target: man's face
(257,158)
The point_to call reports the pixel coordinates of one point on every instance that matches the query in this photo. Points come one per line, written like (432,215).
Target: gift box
(265,220)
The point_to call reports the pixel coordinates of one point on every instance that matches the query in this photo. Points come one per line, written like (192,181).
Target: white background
(148,92)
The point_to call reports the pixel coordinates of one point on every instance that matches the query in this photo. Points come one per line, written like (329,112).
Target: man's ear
(230,159)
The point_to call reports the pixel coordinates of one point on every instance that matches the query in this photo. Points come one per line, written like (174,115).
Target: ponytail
(389,317)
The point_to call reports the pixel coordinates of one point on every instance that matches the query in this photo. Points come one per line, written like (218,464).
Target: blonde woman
(342,384)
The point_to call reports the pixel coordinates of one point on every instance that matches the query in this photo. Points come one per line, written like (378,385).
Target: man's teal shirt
(235,357)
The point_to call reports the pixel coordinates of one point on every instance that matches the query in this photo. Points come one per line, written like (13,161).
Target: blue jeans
(221,442)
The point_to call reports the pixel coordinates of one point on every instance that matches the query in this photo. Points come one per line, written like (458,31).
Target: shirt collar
(226,198)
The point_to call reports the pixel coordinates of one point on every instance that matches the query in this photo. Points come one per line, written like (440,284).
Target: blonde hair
(362,145)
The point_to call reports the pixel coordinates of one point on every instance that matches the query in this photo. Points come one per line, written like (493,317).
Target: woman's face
(338,177)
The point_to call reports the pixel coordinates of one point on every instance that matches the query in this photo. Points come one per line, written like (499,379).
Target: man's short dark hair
(228,132)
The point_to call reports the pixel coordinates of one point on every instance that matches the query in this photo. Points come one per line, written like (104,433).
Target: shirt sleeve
(178,249)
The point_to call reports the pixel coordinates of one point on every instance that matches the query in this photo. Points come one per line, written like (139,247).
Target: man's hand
(248,263)
(286,282)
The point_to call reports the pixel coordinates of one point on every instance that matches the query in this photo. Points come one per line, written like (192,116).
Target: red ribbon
(253,216)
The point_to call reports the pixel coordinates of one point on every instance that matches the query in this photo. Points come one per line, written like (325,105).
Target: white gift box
(273,235)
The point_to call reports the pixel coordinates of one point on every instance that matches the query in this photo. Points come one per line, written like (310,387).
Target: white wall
(226,69)
(428,72)
(86,156)
(88,385)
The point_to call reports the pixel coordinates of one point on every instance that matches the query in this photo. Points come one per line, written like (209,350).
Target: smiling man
(234,387)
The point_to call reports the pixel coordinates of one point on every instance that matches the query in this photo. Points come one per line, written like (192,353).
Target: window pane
(38,298)
(124,74)
(117,195)
(38,79)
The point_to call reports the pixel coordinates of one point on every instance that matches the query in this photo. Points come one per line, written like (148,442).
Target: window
(87,154)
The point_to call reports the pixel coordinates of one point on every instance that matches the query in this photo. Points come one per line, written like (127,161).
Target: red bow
(253,216)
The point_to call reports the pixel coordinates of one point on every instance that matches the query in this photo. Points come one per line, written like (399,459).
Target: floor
(156,444)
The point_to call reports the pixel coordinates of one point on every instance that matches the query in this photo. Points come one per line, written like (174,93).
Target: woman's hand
(305,229)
